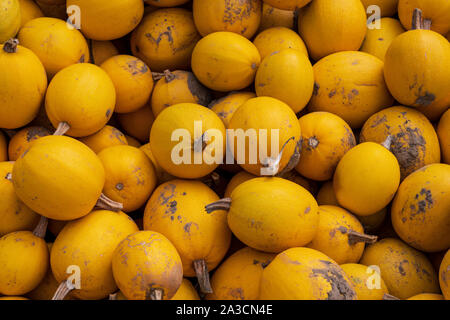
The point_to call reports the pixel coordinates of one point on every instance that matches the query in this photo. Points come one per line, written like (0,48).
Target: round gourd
(22,85)
(54,43)
(105,138)
(3,148)
(186,291)
(102,51)
(388,7)
(108,19)
(180,156)
(146,266)
(444,275)
(9,19)
(362,279)
(421,209)
(351,85)
(405,271)
(277,39)
(287,4)
(176,209)
(29,10)
(319,277)
(226,106)
(274,17)
(259,115)
(165,3)
(427,296)
(59,177)
(414,141)
(437,12)
(240,16)
(237,179)
(22,140)
(225,61)
(238,277)
(89,243)
(165,39)
(81,97)
(325,140)
(162,175)
(286,75)
(329,26)
(137,124)
(377,41)
(130,177)
(178,87)
(366,178)
(443,131)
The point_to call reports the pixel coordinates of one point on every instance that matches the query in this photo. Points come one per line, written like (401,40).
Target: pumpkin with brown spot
(437,12)
(186,291)
(105,138)
(23,139)
(225,107)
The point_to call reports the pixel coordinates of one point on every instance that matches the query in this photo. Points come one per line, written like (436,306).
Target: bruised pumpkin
(368,283)
(138,123)
(225,107)
(22,140)
(9,19)
(436,11)
(105,138)
(102,51)
(29,10)
(274,17)
(287,4)
(443,131)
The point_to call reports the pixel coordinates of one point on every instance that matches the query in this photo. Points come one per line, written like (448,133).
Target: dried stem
(294,160)
(222,204)
(201,270)
(426,24)
(41,228)
(107,204)
(355,237)
(169,76)
(155,294)
(63,290)
(417,19)
(10,46)
(387,143)
(63,127)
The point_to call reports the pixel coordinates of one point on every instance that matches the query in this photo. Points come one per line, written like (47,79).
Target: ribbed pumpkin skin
(436,10)
(9,19)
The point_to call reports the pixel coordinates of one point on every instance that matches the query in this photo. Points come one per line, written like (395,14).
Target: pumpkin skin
(274,17)
(162,175)
(427,296)
(83,96)
(147,261)
(23,90)
(65,47)
(133,142)
(388,7)
(3,148)
(324,31)
(165,3)
(182,117)
(22,140)
(399,265)
(287,4)
(105,138)
(77,169)
(225,61)
(314,272)
(325,140)
(165,39)
(178,87)
(444,271)
(288,76)
(326,195)
(130,177)
(359,277)
(186,291)
(414,140)
(438,11)
(14,215)
(29,10)
(366,178)
(276,39)
(443,131)
(89,243)
(226,106)
(137,124)
(377,41)
(420,211)
(416,52)
(238,276)
(351,85)
(21,252)
(108,19)
(264,113)
(102,51)
(241,17)
(9,19)
(237,179)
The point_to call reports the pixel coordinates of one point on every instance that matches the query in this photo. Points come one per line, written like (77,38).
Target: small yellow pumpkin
(226,106)
(287,4)
(102,51)
(22,140)
(437,12)
(237,179)
(9,19)
(274,17)
(368,284)
(444,275)
(443,131)
(186,291)
(105,138)
(137,124)
(388,7)
(29,10)
(162,175)
(3,148)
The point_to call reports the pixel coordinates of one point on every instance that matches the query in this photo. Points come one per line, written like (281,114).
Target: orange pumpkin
(274,17)
(102,51)
(105,138)
(276,39)
(225,107)
(23,139)
(437,12)
(137,124)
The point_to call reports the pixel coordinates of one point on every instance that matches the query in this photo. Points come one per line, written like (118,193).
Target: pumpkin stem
(63,290)
(313,142)
(418,23)
(154,294)
(10,46)
(107,204)
(113,296)
(272,165)
(169,76)
(294,160)
(388,296)
(355,237)
(41,228)
(222,204)
(387,143)
(201,270)
(427,24)
(63,127)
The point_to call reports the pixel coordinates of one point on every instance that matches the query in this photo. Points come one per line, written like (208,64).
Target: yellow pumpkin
(162,175)
(226,106)
(9,19)
(133,142)
(22,140)
(274,17)
(435,110)
(427,296)
(351,85)
(137,124)
(59,177)
(133,82)
(240,16)
(3,148)
(367,284)
(436,11)
(82,97)
(165,3)
(108,19)
(443,131)
(165,39)
(105,138)
(276,39)
(326,195)
(444,275)
(258,117)
(237,179)
(22,90)
(377,41)
(420,211)
(102,51)
(190,154)
(186,291)
(29,10)
(178,87)
(405,271)
(286,75)
(238,277)
(325,31)
(54,43)
(325,140)
(414,140)
(388,7)
(287,4)
(176,209)
(319,277)
(225,61)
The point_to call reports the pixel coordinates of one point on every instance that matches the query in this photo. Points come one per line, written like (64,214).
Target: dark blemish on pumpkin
(380,39)
(236,293)
(332,233)
(187,226)
(183,194)
(81,59)
(332,93)
(200,92)
(36,132)
(341,289)
(308,209)
(401,269)
(25,152)
(172,207)
(167,33)
(426,99)
(119,186)
(355,62)
(170,188)
(108,112)
(355,92)
(172,218)
(134,69)
(316,89)
(254,66)
(426,202)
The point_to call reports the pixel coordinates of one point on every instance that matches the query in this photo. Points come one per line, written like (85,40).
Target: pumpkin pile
(121,179)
